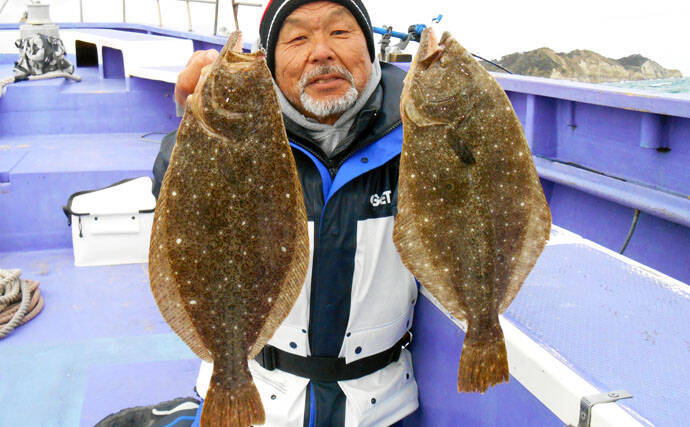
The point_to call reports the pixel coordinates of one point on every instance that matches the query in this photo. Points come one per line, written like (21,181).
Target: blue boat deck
(100,345)
(587,320)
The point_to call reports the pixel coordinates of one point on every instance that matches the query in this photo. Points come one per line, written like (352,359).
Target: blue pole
(396,34)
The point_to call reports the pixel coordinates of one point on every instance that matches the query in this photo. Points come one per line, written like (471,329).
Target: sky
(614,28)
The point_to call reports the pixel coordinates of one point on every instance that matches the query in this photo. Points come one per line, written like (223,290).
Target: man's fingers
(194,55)
(189,77)
(212,54)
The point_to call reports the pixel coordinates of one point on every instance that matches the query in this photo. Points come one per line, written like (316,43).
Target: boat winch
(41,50)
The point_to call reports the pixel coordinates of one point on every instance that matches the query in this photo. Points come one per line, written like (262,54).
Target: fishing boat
(597,336)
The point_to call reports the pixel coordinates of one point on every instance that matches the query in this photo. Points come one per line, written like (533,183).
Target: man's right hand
(189,77)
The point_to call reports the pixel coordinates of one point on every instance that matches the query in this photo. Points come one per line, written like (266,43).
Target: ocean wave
(677,85)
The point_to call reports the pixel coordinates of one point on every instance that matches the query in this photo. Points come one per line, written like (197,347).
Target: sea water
(677,85)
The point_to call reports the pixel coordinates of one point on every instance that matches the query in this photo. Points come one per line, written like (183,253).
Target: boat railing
(215,3)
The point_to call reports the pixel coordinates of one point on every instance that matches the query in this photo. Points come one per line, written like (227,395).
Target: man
(337,358)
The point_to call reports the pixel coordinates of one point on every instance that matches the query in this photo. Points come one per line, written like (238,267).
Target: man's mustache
(323,70)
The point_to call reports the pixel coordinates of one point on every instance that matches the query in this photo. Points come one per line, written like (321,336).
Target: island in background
(582,65)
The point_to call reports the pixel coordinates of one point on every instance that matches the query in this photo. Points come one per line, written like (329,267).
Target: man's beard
(329,107)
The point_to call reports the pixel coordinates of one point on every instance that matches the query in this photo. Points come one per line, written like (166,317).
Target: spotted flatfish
(472,218)
(229,245)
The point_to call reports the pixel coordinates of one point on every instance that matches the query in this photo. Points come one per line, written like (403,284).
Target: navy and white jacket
(358,298)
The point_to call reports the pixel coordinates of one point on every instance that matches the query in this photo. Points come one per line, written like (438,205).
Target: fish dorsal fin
(168,297)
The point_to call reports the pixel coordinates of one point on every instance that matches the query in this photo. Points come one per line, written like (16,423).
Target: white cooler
(112,225)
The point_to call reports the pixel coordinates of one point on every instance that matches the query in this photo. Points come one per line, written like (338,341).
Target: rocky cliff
(582,65)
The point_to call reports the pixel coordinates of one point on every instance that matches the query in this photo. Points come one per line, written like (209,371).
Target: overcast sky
(615,28)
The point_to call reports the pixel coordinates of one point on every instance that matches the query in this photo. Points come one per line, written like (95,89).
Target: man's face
(322,63)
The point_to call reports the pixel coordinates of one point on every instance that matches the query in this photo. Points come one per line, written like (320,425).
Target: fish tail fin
(232,407)
(483,363)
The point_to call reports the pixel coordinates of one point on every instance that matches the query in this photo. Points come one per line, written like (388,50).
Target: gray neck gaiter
(329,137)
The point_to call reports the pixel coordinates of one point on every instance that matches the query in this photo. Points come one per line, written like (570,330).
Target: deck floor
(100,345)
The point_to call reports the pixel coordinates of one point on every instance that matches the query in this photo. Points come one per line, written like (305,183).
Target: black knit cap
(278,10)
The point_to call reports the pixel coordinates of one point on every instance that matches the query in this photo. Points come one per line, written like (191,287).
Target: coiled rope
(4,82)
(52,75)
(20,301)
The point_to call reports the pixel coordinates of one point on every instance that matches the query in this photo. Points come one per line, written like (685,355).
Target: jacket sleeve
(162,161)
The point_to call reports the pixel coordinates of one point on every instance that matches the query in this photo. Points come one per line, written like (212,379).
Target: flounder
(229,245)
(472,218)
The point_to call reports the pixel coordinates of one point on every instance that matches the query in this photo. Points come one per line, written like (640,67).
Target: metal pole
(124,15)
(3,5)
(189,15)
(235,8)
(81,10)
(160,18)
(215,21)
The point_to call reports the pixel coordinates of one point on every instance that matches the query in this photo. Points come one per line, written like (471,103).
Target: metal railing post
(160,18)
(124,14)
(235,9)
(189,15)
(215,21)
(3,5)
(81,10)
(216,3)
(236,6)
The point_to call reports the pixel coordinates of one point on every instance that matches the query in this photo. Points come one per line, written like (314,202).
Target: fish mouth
(232,52)
(431,50)
(240,58)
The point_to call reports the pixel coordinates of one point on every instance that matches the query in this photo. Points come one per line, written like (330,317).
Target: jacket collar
(378,117)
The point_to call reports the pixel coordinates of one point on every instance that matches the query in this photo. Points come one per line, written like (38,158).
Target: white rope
(52,75)
(12,290)
(10,285)
(4,82)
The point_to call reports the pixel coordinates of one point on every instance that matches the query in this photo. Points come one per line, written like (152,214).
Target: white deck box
(112,225)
